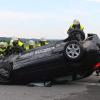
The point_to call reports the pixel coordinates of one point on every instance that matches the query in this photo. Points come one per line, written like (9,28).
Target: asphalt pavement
(84,89)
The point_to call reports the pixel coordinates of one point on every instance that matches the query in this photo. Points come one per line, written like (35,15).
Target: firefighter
(76,25)
(16,45)
(43,42)
(31,44)
(37,44)
(26,46)
(3,47)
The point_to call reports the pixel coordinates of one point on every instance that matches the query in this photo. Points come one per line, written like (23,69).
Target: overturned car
(74,56)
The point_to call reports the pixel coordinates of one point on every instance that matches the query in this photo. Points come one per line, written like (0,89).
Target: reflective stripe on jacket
(81,27)
(20,43)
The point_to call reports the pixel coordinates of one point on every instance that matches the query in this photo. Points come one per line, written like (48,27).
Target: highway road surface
(85,89)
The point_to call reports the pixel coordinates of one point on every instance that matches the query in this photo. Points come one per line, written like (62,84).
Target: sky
(47,18)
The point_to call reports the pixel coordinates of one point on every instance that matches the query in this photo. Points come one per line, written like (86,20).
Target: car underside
(70,57)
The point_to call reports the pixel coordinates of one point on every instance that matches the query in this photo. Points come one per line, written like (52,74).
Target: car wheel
(73,50)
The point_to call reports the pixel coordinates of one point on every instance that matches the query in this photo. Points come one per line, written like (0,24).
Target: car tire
(73,50)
